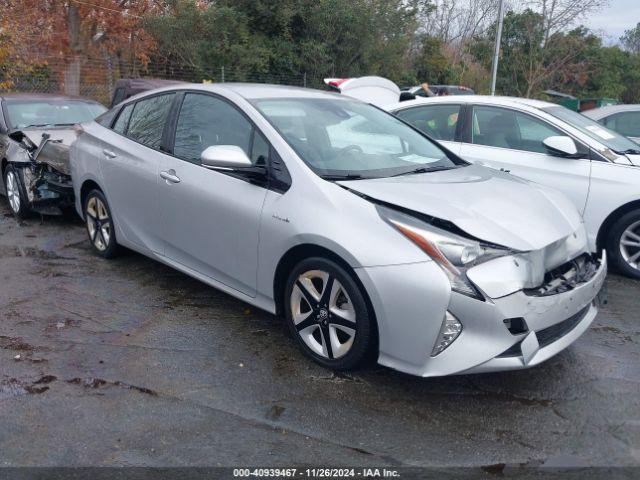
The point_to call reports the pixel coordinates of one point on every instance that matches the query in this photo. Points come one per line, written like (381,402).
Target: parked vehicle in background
(438,90)
(624,119)
(392,248)
(35,133)
(375,90)
(128,87)
(597,168)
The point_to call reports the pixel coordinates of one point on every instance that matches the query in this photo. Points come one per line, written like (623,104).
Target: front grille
(548,335)
(566,277)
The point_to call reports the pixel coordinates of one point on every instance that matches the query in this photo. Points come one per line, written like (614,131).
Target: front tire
(327,314)
(16,194)
(623,244)
(99,224)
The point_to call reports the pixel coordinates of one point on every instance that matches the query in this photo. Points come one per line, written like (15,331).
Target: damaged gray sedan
(35,134)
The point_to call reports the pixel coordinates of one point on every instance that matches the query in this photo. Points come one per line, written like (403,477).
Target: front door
(511,140)
(211,219)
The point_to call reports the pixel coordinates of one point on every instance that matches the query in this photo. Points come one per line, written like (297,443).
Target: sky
(613,20)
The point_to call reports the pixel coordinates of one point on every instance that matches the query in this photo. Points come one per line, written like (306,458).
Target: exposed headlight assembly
(454,253)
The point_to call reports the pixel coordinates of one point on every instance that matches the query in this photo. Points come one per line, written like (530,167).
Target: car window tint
(259,150)
(437,121)
(148,119)
(204,121)
(123,119)
(504,128)
(625,123)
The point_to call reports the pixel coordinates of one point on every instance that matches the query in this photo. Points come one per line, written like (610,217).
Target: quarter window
(148,120)
(204,121)
(437,121)
(123,119)
(500,127)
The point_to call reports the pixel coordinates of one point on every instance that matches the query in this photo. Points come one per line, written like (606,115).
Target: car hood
(490,205)
(634,159)
(54,152)
(65,135)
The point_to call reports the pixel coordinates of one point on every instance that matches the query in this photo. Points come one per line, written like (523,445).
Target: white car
(597,168)
(624,119)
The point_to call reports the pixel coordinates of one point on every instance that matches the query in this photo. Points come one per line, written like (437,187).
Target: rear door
(130,167)
(211,219)
(442,122)
(511,140)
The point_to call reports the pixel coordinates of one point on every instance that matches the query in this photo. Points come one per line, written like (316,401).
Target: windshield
(608,138)
(44,113)
(349,139)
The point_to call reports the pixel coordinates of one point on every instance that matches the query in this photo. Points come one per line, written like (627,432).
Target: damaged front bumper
(43,170)
(515,331)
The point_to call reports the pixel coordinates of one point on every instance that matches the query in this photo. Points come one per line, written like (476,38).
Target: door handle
(109,153)
(170,176)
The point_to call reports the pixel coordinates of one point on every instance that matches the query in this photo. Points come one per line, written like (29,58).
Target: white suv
(598,169)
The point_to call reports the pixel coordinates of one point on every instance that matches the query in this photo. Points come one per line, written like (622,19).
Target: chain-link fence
(96,78)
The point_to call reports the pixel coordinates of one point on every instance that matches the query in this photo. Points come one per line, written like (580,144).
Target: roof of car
(249,91)
(601,112)
(488,99)
(42,96)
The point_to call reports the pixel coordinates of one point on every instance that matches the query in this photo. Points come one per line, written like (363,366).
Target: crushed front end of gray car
(42,161)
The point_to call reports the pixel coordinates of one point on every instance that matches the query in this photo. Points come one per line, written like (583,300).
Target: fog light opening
(449,331)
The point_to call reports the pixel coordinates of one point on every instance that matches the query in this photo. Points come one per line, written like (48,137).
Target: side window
(123,119)
(500,127)
(437,121)
(204,121)
(625,123)
(148,119)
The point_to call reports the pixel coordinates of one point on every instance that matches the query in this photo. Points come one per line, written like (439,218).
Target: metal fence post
(304,79)
(222,73)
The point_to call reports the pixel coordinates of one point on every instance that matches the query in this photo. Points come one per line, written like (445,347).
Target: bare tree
(558,15)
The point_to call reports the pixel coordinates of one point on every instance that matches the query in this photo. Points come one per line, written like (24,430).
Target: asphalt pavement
(130,363)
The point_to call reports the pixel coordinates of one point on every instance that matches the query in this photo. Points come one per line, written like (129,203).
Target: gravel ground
(127,362)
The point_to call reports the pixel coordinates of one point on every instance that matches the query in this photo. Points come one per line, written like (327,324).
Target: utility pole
(496,53)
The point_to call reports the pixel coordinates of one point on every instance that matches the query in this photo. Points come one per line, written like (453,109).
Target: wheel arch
(306,250)
(601,239)
(86,187)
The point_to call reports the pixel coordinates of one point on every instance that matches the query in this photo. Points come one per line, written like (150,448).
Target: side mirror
(224,157)
(561,145)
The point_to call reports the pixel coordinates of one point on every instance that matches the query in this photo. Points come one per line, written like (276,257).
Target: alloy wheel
(323,314)
(630,245)
(13,191)
(98,223)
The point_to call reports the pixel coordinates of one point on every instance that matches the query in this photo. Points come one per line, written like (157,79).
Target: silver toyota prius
(370,239)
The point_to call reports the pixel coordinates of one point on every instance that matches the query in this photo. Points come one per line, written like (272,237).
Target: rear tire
(623,244)
(327,314)
(99,224)
(16,193)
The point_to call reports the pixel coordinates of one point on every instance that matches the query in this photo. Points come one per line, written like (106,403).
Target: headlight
(455,254)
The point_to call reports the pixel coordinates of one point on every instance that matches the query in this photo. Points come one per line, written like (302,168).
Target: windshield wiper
(423,170)
(38,125)
(349,176)
(630,151)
